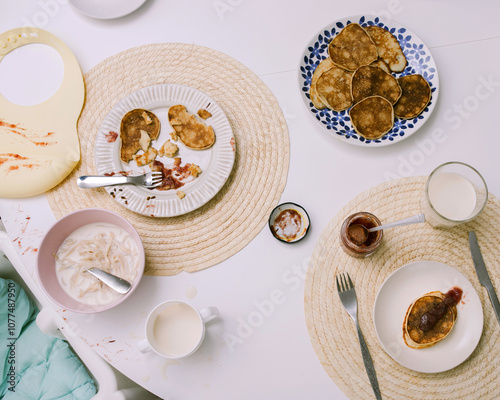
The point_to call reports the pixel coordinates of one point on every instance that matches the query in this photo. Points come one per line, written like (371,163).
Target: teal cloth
(45,367)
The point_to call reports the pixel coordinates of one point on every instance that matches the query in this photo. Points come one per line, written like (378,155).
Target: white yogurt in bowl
(83,239)
(96,245)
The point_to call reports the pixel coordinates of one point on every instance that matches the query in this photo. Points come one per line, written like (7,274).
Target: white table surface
(276,359)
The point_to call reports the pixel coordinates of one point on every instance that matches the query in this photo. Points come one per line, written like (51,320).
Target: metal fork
(349,301)
(149,180)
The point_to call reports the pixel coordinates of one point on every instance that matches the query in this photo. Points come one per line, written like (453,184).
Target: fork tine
(351,286)
(345,286)
(155,174)
(338,286)
(342,282)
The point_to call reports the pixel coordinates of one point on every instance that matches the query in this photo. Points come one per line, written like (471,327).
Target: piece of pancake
(204,114)
(131,125)
(323,66)
(334,88)
(413,336)
(146,158)
(352,48)
(372,81)
(382,65)
(192,132)
(388,48)
(372,117)
(416,94)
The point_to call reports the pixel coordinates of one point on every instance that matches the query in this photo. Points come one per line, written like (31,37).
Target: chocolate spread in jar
(287,225)
(350,232)
(356,235)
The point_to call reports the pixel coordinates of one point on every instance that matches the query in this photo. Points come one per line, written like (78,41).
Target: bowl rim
(89,309)
(271,220)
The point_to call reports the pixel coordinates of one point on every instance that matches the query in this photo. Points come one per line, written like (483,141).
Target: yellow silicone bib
(39,144)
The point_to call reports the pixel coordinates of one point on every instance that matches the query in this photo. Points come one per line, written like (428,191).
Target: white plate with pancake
(400,290)
(216,162)
(338,124)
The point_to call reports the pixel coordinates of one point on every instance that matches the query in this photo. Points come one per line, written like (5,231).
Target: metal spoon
(358,233)
(114,282)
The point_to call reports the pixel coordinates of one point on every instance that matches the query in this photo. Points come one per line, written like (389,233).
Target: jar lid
(289,222)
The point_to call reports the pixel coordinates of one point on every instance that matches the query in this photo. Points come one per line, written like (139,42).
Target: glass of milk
(454,193)
(175,329)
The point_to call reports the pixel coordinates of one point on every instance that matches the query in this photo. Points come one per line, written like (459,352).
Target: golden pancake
(388,48)
(352,48)
(372,81)
(323,66)
(193,133)
(416,94)
(132,124)
(413,336)
(372,117)
(334,88)
(382,65)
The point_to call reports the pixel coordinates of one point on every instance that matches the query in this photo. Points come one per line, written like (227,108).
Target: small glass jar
(372,242)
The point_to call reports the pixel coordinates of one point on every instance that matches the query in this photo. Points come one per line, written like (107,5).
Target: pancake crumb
(204,114)
(168,149)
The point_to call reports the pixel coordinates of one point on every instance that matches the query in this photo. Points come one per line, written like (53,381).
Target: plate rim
(476,340)
(136,6)
(190,91)
(358,142)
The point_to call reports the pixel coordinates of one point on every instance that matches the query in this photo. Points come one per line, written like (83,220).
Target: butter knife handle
(367,360)
(494,301)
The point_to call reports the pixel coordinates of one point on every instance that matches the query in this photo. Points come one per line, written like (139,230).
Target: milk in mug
(177,330)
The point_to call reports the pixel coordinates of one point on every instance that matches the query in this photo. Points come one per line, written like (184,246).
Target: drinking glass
(455,193)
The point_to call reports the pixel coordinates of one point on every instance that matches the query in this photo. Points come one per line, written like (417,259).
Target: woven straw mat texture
(332,331)
(223,226)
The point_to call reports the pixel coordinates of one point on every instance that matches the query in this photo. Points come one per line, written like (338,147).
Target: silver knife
(482,273)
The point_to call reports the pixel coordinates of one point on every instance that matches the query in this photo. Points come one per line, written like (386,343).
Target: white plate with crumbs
(216,162)
(400,290)
(106,9)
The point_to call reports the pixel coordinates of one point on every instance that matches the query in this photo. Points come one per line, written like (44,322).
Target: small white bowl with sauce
(48,269)
(289,222)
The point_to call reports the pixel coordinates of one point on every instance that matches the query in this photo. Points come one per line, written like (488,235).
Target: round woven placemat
(332,331)
(238,212)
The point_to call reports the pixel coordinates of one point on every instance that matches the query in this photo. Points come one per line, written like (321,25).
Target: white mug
(175,329)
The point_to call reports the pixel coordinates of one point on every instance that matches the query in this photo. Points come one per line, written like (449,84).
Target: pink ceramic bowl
(46,268)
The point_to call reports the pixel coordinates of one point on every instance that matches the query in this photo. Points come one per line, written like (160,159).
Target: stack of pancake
(358,73)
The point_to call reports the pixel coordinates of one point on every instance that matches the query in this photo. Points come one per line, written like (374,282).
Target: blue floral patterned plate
(338,124)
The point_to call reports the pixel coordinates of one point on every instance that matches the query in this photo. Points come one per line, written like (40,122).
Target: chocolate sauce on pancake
(432,317)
